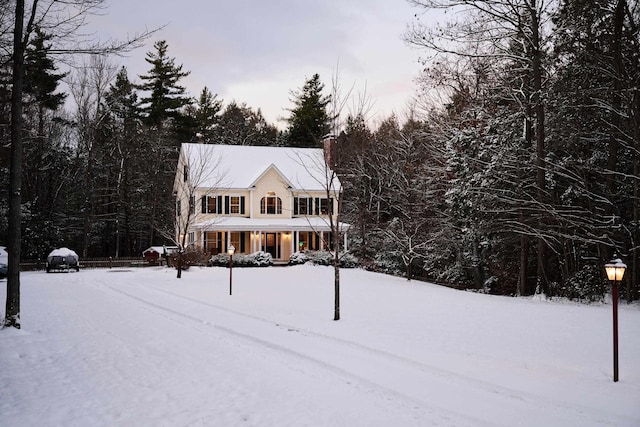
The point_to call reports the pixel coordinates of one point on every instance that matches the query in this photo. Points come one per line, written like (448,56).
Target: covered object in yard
(62,259)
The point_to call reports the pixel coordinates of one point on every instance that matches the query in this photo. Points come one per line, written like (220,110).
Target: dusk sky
(257,52)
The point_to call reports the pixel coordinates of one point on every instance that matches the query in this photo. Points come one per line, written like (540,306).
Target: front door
(271,245)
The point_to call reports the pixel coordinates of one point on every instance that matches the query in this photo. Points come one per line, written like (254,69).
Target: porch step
(280,263)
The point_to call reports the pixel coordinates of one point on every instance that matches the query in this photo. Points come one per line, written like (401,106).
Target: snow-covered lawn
(142,348)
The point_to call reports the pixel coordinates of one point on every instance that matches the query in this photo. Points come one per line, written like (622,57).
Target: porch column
(322,243)
(344,244)
(253,241)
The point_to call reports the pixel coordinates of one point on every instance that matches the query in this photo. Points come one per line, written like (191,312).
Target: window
(324,206)
(235,240)
(303,206)
(271,205)
(234,204)
(212,205)
(211,242)
(185,173)
(191,238)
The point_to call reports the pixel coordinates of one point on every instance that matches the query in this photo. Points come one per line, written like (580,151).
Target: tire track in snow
(399,379)
(436,416)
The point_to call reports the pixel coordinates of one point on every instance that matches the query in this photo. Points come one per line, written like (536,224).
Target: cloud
(258,51)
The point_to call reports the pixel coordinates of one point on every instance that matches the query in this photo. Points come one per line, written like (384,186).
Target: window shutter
(242,206)
(317,204)
(219,205)
(331,206)
(219,238)
(204,204)
(226,205)
(295,206)
(309,206)
(242,237)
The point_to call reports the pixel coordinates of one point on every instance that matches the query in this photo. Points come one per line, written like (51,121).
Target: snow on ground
(142,348)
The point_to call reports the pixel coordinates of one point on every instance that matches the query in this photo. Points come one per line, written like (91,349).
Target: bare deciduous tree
(200,174)
(63,20)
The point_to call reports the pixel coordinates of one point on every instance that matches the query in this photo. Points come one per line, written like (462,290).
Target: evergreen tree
(205,115)
(41,79)
(239,124)
(309,121)
(169,125)
(595,125)
(123,125)
(165,98)
(46,166)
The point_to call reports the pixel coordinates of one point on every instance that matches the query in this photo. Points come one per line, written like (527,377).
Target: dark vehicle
(62,259)
(4,261)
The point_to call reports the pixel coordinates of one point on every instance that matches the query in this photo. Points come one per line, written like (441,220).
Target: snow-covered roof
(239,166)
(268,224)
(160,249)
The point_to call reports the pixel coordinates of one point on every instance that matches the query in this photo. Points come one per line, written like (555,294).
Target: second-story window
(234,204)
(323,206)
(212,204)
(303,206)
(271,205)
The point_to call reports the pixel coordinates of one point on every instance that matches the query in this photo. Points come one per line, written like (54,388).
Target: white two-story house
(271,199)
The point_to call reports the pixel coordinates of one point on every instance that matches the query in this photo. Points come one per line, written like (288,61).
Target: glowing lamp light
(615,270)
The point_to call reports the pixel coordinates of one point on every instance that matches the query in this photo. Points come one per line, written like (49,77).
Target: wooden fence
(39,265)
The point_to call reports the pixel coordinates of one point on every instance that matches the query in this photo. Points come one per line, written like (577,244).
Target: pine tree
(41,80)
(124,124)
(309,121)
(165,97)
(44,169)
(169,125)
(205,115)
(239,124)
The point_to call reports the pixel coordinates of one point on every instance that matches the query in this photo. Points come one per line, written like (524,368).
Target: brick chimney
(330,146)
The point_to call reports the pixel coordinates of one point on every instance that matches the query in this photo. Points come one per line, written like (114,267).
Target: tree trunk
(336,281)
(540,142)
(12,312)
(179,266)
(524,261)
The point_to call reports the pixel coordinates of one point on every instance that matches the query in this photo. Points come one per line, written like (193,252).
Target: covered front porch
(279,237)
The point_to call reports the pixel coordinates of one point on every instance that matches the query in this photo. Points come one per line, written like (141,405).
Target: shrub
(585,285)
(256,259)
(298,258)
(322,258)
(189,258)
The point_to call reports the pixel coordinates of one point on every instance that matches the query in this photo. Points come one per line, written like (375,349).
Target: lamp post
(230,251)
(615,271)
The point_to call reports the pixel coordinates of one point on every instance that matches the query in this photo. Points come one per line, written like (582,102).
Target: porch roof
(267,224)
